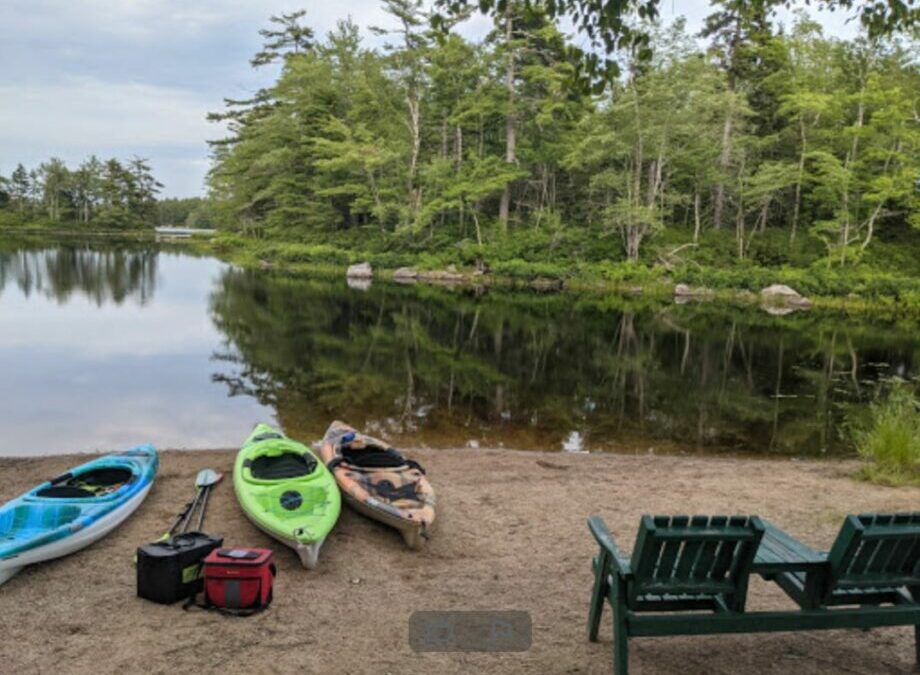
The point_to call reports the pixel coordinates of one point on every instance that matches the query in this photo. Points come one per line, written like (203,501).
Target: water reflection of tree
(528,369)
(102,274)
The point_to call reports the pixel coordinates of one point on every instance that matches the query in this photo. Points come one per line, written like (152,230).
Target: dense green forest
(747,147)
(750,153)
(98,193)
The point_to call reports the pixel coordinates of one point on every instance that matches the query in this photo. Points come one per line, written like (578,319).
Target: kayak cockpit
(92,484)
(281,466)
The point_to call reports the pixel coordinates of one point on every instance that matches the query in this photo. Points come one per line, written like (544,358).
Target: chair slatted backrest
(705,556)
(876,550)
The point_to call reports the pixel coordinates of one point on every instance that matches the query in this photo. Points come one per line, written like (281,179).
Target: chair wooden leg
(620,634)
(620,652)
(917,648)
(598,595)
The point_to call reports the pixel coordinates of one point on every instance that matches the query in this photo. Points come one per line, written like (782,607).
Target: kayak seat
(373,457)
(279,467)
(106,477)
(93,483)
(65,492)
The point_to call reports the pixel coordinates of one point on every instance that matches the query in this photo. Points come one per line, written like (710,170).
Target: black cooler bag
(171,570)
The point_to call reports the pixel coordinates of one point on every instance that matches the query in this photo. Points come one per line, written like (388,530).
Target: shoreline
(660,290)
(510,534)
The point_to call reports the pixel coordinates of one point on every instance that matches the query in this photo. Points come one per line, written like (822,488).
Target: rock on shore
(782,296)
(446,276)
(685,293)
(405,274)
(360,271)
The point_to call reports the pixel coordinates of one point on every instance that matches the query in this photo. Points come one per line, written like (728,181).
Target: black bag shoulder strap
(193,602)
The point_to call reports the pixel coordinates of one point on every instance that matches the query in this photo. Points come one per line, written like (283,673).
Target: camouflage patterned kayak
(379,482)
(286,492)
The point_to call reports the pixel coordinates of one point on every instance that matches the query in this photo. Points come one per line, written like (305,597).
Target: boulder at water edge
(782,295)
(404,274)
(684,293)
(360,271)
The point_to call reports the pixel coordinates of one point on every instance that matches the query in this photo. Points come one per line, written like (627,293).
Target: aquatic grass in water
(890,442)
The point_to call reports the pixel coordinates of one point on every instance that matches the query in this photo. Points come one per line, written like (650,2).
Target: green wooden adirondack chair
(869,578)
(874,560)
(678,563)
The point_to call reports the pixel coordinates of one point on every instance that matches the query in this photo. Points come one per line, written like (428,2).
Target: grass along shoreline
(852,290)
(856,289)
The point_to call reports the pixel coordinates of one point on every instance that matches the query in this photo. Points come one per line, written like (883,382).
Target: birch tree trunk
(798,180)
(724,162)
(458,154)
(696,216)
(414,129)
(739,221)
(870,224)
(510,122)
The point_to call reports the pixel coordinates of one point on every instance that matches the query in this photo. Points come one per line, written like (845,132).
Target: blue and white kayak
(75,509)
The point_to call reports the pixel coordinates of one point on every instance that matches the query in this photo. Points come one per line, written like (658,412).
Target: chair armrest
(607,543)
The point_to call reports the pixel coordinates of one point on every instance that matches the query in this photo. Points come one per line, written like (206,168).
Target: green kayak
(286,491)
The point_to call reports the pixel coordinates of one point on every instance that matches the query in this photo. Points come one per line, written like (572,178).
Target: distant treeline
(102,193)
(434,142)
(183,212)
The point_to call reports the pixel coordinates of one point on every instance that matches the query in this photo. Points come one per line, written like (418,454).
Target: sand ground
(511,535)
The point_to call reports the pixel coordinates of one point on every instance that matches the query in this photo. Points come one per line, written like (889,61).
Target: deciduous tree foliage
(434,141)
(609,24)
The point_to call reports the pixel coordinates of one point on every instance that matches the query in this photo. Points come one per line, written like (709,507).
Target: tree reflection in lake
(112,343)
(114,273)
(107,345)
(440,367)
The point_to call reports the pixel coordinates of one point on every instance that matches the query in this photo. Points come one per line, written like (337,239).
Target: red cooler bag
(239,580)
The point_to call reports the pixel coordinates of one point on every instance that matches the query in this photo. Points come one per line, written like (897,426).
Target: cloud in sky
(126,77)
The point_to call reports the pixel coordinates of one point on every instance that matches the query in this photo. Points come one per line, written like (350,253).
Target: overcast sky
(136,77)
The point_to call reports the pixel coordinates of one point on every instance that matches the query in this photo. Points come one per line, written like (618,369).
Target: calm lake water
(107,346)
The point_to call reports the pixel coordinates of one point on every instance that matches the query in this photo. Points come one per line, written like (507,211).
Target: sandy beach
(511,534)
